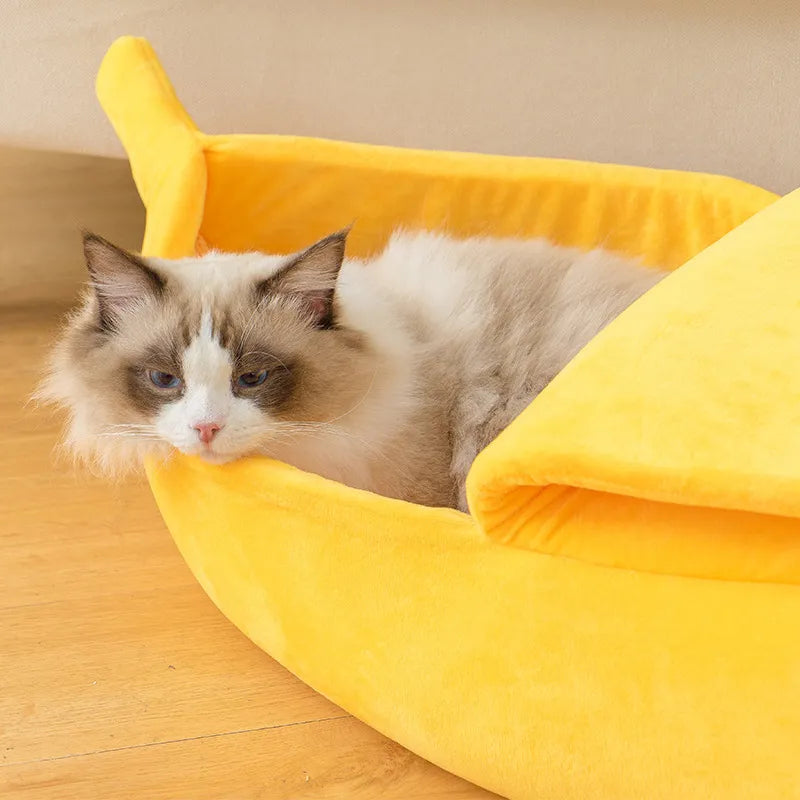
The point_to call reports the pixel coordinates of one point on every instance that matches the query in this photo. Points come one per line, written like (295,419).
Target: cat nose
(206,431)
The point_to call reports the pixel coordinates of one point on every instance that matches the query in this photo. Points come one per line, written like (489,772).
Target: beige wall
(694,84)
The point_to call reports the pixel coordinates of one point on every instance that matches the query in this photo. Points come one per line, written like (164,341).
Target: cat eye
(163,380)
(250,379)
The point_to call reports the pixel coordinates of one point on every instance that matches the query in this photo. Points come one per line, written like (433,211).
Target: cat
(388,374)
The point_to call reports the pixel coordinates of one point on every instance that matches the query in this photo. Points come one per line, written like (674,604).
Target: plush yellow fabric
(682,422)
(622,622)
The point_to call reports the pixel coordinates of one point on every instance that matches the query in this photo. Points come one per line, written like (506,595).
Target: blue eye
(250,379)
(163,380)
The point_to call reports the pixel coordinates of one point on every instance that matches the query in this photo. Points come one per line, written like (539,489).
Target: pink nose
(206,431)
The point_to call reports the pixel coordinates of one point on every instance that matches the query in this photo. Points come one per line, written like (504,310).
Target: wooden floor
(118,677)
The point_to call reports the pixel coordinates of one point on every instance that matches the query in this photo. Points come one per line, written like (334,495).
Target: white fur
(218,274)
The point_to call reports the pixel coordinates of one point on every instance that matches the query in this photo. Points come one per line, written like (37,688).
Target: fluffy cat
(388,375)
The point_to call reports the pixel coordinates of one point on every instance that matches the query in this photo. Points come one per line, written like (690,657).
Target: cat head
(218,356)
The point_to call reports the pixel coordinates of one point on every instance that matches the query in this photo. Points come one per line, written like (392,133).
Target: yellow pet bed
(620,617)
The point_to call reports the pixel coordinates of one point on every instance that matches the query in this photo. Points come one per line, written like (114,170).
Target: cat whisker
(321,429)
(130,427)
(131,434)
(136,436)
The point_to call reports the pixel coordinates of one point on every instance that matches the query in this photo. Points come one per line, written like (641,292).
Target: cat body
(388,374)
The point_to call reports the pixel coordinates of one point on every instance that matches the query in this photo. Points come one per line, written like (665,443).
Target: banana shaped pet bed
(620,615)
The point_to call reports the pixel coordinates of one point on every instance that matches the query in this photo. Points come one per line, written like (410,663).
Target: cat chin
(210,457)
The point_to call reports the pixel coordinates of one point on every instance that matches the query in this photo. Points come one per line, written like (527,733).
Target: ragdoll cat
(389,374)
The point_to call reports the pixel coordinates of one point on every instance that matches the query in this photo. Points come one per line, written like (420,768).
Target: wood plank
(338,758)
(124,670)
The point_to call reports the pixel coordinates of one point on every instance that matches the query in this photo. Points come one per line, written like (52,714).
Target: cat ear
(311,277)
(120,279)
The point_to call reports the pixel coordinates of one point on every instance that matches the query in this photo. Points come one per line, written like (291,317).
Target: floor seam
(175,741)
